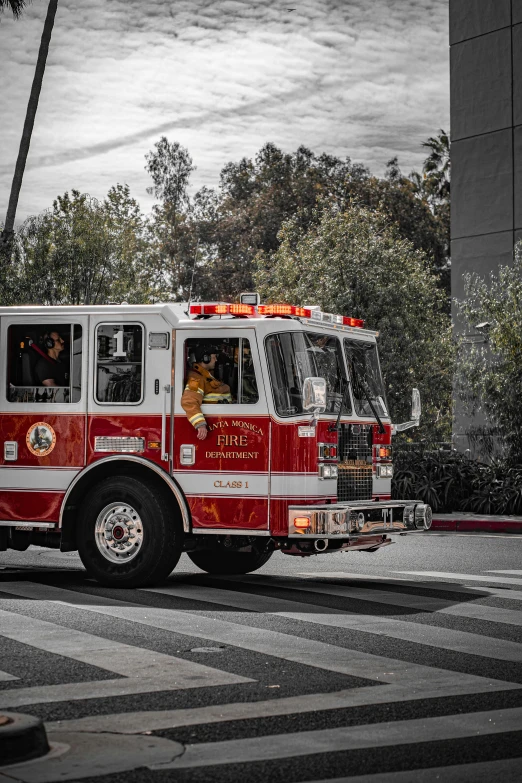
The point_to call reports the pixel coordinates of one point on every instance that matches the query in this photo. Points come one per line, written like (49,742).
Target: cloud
(347,77)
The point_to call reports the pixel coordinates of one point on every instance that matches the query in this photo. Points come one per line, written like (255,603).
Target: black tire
(219,560)
(158,526)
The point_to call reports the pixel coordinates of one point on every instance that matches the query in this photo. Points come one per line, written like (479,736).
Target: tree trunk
(32,106)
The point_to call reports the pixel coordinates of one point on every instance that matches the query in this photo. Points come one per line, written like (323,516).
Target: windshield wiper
(341,406)
(362,382)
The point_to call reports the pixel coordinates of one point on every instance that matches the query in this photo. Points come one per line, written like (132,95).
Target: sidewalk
(477,522)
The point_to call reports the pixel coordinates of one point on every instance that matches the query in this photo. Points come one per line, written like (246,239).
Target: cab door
(42,426)
(225,477)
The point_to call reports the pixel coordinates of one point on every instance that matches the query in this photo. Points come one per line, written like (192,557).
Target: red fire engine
(105,460)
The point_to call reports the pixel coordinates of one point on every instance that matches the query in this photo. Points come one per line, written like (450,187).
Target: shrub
(450,481)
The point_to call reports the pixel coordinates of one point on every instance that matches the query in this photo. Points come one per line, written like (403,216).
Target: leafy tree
(257,196)
(437,168)
(356,263)
(17,7)
(174,234)
(490,373)
(81,252)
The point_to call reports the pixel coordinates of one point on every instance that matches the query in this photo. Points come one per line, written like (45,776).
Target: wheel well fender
(124,465)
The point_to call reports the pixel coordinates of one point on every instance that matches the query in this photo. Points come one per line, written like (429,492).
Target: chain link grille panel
(355,480)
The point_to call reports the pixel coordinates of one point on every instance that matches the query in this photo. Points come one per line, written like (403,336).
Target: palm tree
(17,6)
(437,166)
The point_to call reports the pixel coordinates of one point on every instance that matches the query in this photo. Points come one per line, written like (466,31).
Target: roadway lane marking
(508,770)
(464,577)
(137,722)
(376,735)
(141,669)
(420,602)
(289,647)
(6,677)
(394,581)
(506,571)
(406,631)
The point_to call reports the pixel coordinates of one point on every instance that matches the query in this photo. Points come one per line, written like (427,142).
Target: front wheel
(128,536)
(220,560)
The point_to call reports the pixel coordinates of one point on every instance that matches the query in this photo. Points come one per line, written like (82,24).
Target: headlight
(423,516)
(327,471)
(384,471)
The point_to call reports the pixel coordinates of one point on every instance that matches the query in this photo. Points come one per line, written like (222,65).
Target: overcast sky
(366,79)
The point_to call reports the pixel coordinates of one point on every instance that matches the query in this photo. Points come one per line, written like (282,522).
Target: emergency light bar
(274,310)
(222,309)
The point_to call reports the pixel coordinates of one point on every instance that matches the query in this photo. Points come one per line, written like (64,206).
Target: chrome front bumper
(358,518)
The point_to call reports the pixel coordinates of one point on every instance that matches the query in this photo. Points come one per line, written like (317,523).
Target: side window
(44,363)
(119,364)
(229,361)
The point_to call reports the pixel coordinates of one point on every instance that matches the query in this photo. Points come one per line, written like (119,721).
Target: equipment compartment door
(225,476)
(42,413)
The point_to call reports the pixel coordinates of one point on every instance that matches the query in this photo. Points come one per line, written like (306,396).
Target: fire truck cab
(98,454)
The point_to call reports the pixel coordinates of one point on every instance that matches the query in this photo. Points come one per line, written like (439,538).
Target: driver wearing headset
(49,370)
(202,387)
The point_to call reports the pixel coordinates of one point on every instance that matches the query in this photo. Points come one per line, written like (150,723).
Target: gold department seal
(40,439)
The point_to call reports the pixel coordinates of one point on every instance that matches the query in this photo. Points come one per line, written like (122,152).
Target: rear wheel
(221,560)
(128,536)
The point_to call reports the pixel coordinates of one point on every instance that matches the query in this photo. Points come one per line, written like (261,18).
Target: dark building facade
(486,140)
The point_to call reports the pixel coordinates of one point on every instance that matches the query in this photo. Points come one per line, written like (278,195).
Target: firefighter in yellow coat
(202,387)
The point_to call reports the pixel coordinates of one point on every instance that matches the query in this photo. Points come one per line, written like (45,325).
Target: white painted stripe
(377,735)
(137,722)
(463,577)
(508,770)
(308,652)
(420,602)
(301,485)
(419,633)
(5,677)
(443,587)
(502,571)
(143,670)
(33,479)
(216,483)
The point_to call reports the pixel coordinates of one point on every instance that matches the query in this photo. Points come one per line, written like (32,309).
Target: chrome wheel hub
(118,532)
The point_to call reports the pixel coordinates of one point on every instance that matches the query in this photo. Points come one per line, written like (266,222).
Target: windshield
(294,356)
(366,378)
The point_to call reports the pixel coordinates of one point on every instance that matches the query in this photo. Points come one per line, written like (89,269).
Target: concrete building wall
(486,137)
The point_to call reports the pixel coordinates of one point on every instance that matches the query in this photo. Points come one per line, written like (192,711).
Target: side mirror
(415,414)
(314,395)
(415,405)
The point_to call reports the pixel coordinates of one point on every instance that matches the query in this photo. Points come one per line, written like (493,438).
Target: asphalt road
(401,665)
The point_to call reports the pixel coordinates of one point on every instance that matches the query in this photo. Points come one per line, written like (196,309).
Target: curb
(475,523)
(22,737)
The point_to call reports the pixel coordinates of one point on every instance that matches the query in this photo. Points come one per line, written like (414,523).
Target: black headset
(206,357)
(47,341)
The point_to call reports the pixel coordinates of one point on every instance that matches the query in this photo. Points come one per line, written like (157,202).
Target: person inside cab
(49,370)
(201,387)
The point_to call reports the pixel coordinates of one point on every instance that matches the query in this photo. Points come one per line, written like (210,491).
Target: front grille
(355,480)
(126,445)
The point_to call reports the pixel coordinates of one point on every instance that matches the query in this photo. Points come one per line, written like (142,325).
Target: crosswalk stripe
(506,571)
(289,647)
(508,770)
(6,677)
(465,577)
(333,740)
(422,603)
(135,722)
(395,581)
(434,636)
(135,664)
